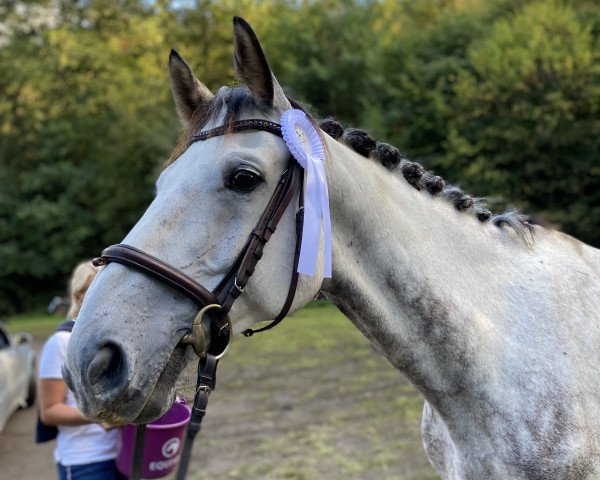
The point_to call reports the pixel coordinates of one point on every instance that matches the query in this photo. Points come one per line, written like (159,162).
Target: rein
(211,329)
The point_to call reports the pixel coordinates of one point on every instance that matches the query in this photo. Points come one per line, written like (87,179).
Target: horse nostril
(107,369)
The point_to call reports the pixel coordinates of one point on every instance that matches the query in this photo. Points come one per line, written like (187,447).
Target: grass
(40,325)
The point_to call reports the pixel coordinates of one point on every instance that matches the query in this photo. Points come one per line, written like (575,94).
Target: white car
(17,373)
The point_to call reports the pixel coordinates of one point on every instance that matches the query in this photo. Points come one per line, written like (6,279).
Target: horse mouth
(157,399)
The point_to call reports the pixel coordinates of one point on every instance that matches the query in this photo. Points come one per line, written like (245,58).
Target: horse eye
(243,180)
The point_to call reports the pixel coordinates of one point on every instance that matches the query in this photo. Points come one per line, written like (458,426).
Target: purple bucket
(162,443)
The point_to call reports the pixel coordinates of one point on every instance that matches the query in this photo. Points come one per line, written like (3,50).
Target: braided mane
(414,173)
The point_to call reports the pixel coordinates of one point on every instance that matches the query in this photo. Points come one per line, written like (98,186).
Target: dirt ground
(312,400)
(20,457)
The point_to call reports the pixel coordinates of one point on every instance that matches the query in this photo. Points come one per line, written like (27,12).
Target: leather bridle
(211,330)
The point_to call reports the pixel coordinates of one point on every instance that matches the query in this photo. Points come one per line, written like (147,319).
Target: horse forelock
(228,105)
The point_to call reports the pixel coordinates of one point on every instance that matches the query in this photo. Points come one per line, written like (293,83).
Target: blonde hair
(81,278)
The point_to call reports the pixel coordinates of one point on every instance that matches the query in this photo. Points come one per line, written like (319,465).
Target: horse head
(125,352)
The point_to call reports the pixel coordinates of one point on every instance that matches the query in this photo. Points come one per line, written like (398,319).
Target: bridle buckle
(238,288)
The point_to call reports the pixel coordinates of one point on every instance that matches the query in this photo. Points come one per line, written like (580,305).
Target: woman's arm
(53,410)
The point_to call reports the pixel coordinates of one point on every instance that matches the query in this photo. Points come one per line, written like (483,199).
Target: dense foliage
(501,96)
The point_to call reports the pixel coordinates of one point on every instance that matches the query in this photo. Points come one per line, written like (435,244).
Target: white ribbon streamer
(308,149)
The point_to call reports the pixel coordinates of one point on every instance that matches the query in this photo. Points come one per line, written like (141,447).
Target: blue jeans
(92,471)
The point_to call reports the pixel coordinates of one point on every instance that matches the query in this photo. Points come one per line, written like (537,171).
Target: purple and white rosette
(308,149)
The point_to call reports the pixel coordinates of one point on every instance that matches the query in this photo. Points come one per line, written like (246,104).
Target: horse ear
(189,93)
(252,67)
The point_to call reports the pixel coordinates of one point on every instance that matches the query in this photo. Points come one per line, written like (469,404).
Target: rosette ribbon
(306,146)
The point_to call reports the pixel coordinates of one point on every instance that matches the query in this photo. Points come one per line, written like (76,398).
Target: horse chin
(144,409)
(158,404)
(162,395)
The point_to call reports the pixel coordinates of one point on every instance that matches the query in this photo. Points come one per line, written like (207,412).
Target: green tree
(86,119)
(323,53)
(499,95)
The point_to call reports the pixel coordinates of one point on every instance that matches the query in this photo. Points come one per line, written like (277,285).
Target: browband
(239,126)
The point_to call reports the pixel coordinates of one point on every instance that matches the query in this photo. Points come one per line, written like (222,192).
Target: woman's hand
(108,426)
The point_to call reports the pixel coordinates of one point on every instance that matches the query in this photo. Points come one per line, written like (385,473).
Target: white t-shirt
(75,445)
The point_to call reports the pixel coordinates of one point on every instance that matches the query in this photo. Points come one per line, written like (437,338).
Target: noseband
(212,320)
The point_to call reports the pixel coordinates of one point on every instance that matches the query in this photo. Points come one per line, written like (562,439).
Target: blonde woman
(83,450)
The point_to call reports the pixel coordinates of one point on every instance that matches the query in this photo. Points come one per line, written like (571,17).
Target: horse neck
(403,272)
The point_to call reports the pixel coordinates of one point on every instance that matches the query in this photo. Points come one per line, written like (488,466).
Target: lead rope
(138,452)
(207,369)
